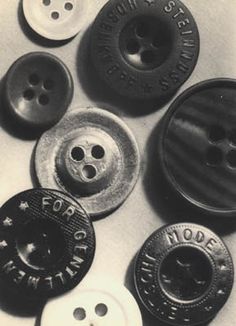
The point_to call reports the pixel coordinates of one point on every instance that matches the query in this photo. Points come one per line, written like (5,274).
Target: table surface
(120,235)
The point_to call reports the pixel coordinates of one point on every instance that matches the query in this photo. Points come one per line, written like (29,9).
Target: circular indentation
(214,156)
(148,57)
(41,244)
(101,310)
(68,6)
(133,46)
(79,314)
(55,15)
(77,154)
(43,99)
(216,133)
(98,152)
(231,158)
(34,79)
(48,84)
(186,273)
(28,94)
(46,2)
(142,29)
(232,137)
(89,171)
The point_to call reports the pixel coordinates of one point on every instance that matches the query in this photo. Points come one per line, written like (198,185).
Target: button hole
(79,314)
(98,152)
(46,2)
(43,99)
(77,154)
(34,79)
(101,310)
(28,94)
(48,84)
(55,15)
(89,171)
(68,6)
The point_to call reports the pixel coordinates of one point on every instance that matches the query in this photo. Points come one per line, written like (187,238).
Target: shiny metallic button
(144,49)
(97,303)
(38,90)
(56,19)
(184,274)
(198,147)
(47,243)
(91,154)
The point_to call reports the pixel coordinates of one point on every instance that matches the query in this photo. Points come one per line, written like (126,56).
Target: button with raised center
(38,90)
(56,19)
(100,302)
(144,49)
(184,274)
(95,158)
(47,243)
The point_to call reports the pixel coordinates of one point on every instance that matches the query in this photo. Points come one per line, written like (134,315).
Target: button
(198,147)
(47,243)
(38,90)
(145,49)
(95,158)
(56,19)
(98,303)
(184,274)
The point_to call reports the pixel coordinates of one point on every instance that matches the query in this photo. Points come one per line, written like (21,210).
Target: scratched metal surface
(120,235)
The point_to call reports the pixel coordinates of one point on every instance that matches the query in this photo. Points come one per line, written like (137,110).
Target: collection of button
(88,163)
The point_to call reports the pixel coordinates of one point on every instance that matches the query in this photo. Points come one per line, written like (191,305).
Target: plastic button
(56,19)
(38,90)
(97,303)
(184,274)
(198,147)
(145,49)
(47,243)
(95,157)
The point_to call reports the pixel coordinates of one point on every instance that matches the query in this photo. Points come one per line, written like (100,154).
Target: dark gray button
(47,243)
(144,49)
(38,90)
(198,147)
(184,274)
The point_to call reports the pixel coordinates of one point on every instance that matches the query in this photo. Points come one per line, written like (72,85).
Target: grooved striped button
(198,146)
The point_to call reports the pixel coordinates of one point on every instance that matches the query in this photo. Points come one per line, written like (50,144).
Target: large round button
(56,19)
(198,146)
(100,302)
(145,49)
(38,90)
(47,243)
(184,274)
(95,158)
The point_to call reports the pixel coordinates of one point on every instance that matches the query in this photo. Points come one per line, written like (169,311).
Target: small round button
(38,90)
(100,302)
(184,274)
(47,243)
(95,158)
(198,148)
(56,19)
(145,49)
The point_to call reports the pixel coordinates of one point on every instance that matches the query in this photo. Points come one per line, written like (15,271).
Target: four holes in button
(214,154)
(34,80)
(101,310)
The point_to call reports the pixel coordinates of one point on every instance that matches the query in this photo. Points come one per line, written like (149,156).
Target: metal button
(38,90)
(145,49)
(47,243)
(184,274)
(98,303)
(198,146)
(92,154)
(56,19)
